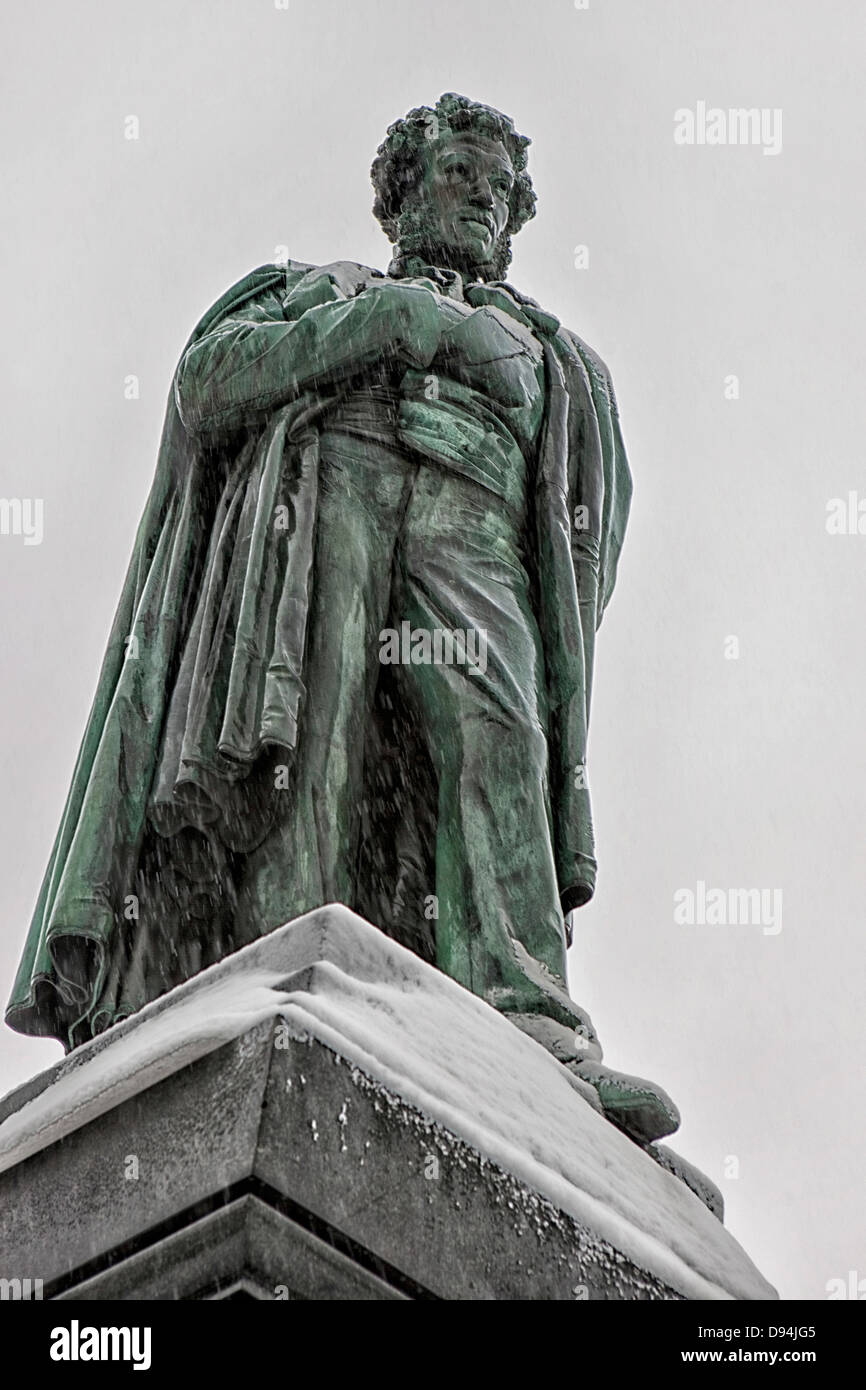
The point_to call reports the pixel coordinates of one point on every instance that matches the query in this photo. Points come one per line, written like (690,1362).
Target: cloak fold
(204,671)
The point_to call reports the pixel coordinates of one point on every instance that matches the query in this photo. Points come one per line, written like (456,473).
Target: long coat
(207,534)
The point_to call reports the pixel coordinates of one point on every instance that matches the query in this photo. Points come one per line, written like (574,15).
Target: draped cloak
(205,669)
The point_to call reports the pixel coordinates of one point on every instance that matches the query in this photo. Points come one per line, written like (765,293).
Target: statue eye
(459,169)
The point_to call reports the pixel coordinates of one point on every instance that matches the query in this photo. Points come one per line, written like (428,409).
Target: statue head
(452,188)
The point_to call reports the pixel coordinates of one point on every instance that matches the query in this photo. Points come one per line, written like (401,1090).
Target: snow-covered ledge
(332,1067)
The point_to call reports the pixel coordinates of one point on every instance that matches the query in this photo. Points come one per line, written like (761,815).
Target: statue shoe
(640,1108)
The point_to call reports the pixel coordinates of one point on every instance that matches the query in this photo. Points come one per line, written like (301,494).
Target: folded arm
(257,361)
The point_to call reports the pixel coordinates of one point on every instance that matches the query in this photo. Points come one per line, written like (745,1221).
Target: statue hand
(325,284)
(349,277)
(412,317)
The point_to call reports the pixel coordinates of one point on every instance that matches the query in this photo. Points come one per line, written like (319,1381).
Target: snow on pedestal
(325,1114)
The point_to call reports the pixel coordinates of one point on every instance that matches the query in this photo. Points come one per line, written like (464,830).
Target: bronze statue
(353,656)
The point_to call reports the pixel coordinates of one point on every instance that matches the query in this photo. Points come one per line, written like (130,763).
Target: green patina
(347,453)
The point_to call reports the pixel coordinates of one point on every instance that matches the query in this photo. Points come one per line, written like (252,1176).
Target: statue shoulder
(290,282)
(280,276)
(275,277)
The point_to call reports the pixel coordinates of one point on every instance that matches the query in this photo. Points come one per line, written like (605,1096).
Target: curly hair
(397,168)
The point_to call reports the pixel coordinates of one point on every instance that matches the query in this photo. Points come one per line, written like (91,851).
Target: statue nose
(481,193)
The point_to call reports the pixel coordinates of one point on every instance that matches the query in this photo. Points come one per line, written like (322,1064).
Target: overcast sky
(706,262)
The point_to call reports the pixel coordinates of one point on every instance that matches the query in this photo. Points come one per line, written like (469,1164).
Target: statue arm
(257,361)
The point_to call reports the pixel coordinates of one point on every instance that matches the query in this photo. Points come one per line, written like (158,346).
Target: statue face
(465,186)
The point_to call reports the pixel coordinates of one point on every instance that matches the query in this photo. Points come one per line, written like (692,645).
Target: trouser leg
(500,929)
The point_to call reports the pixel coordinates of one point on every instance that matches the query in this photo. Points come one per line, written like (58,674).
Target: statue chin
(477,254)
(470,258)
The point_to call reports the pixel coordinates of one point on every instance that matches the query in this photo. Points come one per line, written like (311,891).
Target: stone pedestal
(325,1116)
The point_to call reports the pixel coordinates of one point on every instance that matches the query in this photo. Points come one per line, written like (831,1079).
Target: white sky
(258,127)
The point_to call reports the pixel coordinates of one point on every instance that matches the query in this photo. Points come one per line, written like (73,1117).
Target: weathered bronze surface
(353,656)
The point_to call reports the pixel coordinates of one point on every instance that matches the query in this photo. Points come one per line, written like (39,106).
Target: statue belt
(466,437)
